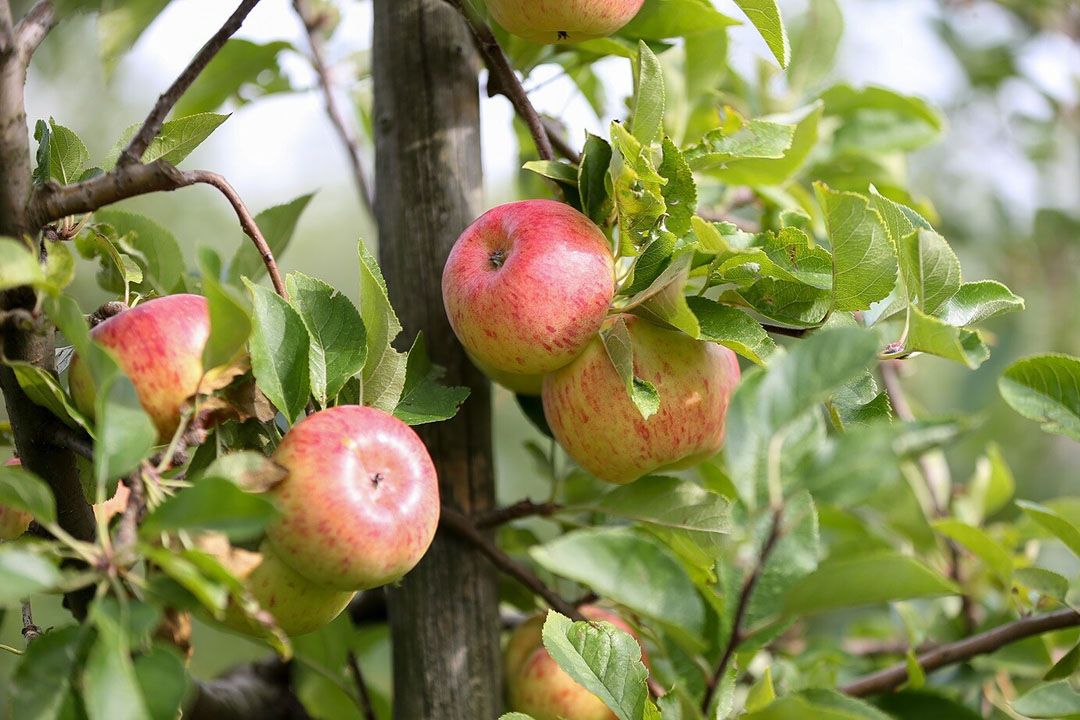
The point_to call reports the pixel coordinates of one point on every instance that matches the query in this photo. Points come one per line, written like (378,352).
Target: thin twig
(521,509)
(152,125)
(312,25)
(962,650)
(461,526)
(52,201)
(506,81)
(361,687)
(76,441)
(34,26)
(747,592)
(30,631)
(128,529)
(559,143)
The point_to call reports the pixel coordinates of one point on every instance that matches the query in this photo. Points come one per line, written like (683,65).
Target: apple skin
(535,683)
(527,286)
(360,504)
(552,21)
(593,418)
(13,522)
(515,383)
(159,345)
(297,605)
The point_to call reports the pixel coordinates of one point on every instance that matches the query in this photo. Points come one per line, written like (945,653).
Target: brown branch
(361,687)
(128,529)
(53,202)
(504,80)
(747,592)
(559,143)
(260,690)
(460,525)
(521,509)
(30,631)
(312,25)
(32,29)
(76,441)
(151,126)
(962,650)
(7,31)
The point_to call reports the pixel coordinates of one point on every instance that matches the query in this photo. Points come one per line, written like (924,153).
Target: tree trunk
(444,616)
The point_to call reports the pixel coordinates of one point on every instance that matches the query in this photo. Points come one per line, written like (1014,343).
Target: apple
(520,384)
(360,501)
(551,21)
(538,687)
(296,605)
(159,345)
(528,285)
(593,418)
(13,522)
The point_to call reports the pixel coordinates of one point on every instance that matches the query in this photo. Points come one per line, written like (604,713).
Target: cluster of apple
(359,500)
(528,289)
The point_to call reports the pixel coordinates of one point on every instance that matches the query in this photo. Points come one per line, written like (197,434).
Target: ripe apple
(550,21)
(296,605)
(520,384)
(360,503)
(535,683)
(527,286)
(593,418)
(13,522)
(159,345)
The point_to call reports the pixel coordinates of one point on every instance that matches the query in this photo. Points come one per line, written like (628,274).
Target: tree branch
(7,31)
(30,631)
(775,532)
(32,29)
(312,24)
(133,153)
(521,509)
(560,143)
(503,80)
(260,690)
(461,525)
(53,202)
(952,653)
(361,686)
(75,441)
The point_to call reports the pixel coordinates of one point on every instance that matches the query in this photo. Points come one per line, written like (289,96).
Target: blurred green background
(1005,180)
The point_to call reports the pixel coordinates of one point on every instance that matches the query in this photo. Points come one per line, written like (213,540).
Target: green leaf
(125,434)
(384,370)
(814,46)
(660,19)
(230,315)
(794,556)
(930,335)
(62,156)
(603,659)
(24,573)
(152,245)
(989,490)
(1053,521)
(337,334)
(620,349)
(561,172)
(931,269)
(665,303)
(788,255)
(738,139)
(18,266)
(867,579)
(877,120)
(210,592)
(651,264)
(1050,700)
(1046,389)
(911,704)
(991,552)
(757,172)
(176,140)
(761,692)
(21,489)
(819,705)
(279,351)
(216,504)
(44,389)
(59,266)
(592,179)
(163,680)
(976,302)
(864,260)
(670,503)
(765,15)
(121,26)
(732,328)
(629,568)
(637,190)
(110,688)
(43,679)
(680,192)
(241,70)
(1066,667)
(647,118)
(278,224)
(423,399)
(1045,582)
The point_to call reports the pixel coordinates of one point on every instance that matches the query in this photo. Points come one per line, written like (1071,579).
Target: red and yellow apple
(538,687)
(360,503)
(159,346)
(550,21)
(13,522)
(593,418)
(527,286)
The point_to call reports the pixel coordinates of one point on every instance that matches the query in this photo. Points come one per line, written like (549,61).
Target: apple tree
(707,312)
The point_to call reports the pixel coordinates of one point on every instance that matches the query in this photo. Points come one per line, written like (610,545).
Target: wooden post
(444,616)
